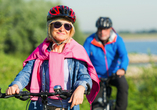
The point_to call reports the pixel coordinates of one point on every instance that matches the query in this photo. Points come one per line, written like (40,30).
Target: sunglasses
(67,26)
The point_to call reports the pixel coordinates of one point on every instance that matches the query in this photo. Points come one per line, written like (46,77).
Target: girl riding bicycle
(58,60)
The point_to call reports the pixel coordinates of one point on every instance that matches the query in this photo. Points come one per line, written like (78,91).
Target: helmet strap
(55,42)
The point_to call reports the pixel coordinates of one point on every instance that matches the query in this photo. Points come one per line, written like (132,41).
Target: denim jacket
(78,76)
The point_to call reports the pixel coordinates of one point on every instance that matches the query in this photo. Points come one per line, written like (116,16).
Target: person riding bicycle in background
(58,60)
(108,54)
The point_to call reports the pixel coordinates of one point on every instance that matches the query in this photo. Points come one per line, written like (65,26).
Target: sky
(132,15)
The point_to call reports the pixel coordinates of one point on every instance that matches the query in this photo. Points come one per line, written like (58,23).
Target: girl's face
(61,30)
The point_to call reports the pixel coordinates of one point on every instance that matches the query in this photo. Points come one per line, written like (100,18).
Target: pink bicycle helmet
(61,11)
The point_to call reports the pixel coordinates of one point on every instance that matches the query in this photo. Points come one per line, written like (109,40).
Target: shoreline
(142,58)
(137,63)
(139,37)
(139,40)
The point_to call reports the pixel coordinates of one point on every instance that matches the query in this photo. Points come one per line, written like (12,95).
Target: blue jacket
(78,74)
(108,58)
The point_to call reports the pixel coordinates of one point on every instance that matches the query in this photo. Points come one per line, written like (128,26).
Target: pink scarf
(56,61)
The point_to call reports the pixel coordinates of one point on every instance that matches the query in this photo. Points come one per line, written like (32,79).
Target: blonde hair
(49,28)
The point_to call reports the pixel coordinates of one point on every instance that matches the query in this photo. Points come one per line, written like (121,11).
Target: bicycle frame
(104,102)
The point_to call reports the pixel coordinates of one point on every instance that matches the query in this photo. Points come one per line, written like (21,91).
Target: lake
(144,46)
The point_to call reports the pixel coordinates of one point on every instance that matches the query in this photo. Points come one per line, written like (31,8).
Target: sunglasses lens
(67,26)
(57,25)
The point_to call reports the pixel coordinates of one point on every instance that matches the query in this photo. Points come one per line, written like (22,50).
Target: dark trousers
(122,93)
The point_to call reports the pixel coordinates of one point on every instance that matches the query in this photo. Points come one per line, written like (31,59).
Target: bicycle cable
(28,103)
(55,95)
(61,103)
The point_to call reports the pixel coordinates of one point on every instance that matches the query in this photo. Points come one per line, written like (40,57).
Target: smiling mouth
(60,33)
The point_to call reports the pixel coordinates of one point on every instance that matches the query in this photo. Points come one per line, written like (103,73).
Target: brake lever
(23,98)
(63,96)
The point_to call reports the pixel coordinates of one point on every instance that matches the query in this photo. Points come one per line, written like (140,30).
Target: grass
(9,67)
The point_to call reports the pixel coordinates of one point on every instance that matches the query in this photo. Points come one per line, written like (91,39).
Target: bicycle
(58,92)
(105,102)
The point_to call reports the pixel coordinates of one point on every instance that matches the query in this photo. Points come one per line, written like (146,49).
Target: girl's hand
(77,97)
(12,90)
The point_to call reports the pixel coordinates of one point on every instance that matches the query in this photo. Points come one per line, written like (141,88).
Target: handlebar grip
(113,76)
(87,92)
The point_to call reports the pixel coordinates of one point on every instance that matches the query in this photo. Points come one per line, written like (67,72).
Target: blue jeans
(37,105)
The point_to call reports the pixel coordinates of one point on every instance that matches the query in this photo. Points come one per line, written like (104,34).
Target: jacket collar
(112,39)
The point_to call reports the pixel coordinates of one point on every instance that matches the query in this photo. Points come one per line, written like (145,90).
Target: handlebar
(63,94)
(24,95)
(113,76)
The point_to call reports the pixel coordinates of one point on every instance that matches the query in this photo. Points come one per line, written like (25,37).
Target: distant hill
(151,31)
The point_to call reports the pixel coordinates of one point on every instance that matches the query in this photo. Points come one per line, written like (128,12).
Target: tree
(23,25)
